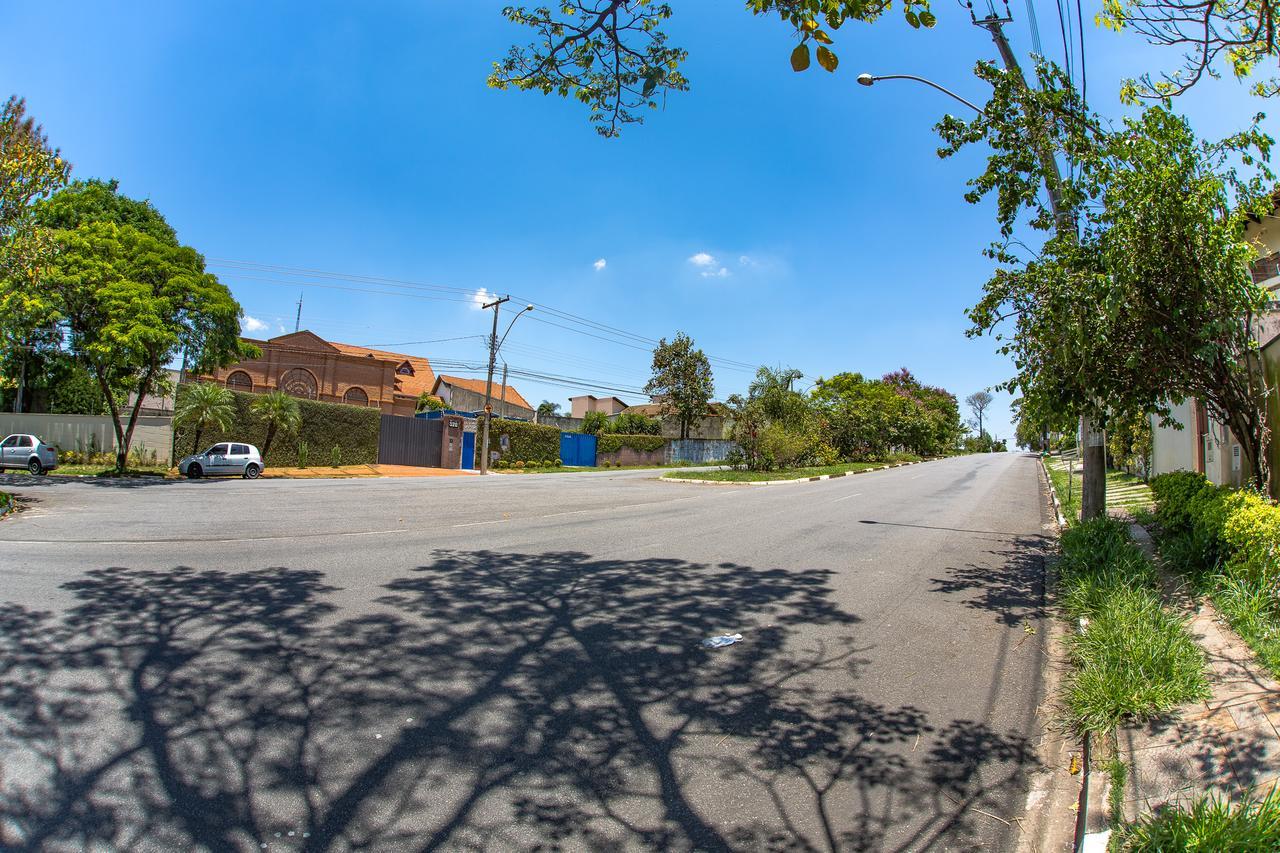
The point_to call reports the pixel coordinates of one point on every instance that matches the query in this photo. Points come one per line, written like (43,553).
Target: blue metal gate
(468,451)
(578,449)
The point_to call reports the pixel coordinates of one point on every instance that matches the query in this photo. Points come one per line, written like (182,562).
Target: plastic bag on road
(721,641)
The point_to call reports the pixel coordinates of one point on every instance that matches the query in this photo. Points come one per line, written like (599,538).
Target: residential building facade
(305,365)
(467,395)
(579,406)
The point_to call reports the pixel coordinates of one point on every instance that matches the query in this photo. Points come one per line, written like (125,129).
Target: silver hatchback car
(27,451)
(223,459)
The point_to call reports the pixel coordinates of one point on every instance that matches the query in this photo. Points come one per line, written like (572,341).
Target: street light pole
(872,79)
(495,344)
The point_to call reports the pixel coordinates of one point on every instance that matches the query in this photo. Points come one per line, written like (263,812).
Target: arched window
(299,383)
(405,369)
(239,381)
(355,397)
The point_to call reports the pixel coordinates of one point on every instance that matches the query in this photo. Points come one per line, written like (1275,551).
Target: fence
(410,441)
(93,432)
(699,450)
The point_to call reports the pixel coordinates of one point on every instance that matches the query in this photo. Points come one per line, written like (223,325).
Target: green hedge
(613,442)
(527,442)
(352,429)
(1218,526)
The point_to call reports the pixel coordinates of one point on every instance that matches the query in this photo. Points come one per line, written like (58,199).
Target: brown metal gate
(409,441)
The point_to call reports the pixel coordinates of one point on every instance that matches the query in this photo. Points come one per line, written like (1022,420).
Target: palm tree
(205,406)
(279,412)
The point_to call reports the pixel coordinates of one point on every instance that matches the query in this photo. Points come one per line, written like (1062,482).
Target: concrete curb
(788,482)
(1053,493)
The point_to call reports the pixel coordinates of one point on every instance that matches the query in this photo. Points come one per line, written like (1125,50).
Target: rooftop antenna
(298,320)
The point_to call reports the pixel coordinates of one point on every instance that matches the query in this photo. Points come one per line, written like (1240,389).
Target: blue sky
(778,218)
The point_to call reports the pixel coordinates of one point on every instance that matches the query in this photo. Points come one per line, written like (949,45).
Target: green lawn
(108,471)
(731,476)
(1124,491)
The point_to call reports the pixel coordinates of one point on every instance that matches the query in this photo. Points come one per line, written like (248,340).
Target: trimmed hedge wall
(353,429)
(527,442)
(613,442)
(1235,529)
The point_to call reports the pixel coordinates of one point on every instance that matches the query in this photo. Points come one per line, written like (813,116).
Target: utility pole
(297,321)
(488,383)
(503,406)
(1093,489)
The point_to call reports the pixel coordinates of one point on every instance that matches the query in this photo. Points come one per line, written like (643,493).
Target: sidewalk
(1226,746)
(349,471)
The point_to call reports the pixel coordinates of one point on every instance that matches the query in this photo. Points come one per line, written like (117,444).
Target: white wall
(80,432)
(1174,449)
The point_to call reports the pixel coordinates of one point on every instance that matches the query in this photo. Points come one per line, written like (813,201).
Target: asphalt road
(514,663)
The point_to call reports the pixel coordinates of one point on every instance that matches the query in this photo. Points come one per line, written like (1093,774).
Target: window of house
(299,383)
(356,397)
(405,369)
(239,381)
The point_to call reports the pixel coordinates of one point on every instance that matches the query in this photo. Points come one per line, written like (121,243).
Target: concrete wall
(699,450)
(1174,449)
(465,400)
(631,456)
(561,423)
(85,432)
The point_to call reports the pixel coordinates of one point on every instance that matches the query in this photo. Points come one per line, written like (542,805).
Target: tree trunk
(1093,491)
(195,444)
(266,445)
(122,449)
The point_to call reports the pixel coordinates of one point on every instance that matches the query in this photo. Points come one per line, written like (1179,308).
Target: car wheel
(35,467)
(251,472)
(193,472)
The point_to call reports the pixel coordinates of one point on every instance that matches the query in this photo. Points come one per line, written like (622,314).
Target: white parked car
(223,459)
(27,451)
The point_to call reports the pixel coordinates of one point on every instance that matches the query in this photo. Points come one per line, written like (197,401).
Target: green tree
(74,391)
(1152,301)
(548,409)
(634,423)
(681,381)
(595,423)
(1240,34)
(30,170)
(428,402)
(204,406)
(132,297)
(978,403)
(613,55)
(279,412)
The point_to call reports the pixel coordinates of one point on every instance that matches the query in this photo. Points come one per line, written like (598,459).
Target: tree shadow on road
(487,701)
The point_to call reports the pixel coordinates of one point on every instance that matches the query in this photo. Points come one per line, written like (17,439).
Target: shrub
(613,442)
(524,440)
(1133,661)
(595,423)
(1173,493)
(354,429)
(634,423)
(1251,534)
(1208,825)
(559,462)
(335,456)
(519,464)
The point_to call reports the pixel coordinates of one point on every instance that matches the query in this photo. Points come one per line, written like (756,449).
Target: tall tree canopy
(681,381)
(613,55)
(30,170)
(132,297)
(1149,297)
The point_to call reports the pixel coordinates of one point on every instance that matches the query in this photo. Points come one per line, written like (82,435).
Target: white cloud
(600,264)
(250,325)
(748,261)
(280,328)
(717,273)
(481,297)
(702,259)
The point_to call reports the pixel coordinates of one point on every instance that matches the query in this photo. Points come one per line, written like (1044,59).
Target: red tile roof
(423,378)
(477,385)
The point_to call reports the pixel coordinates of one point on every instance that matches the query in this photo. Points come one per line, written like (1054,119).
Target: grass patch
(6,501)
(1208,825)
(736,476)
(108,471)
(1124,490)
(1253,612)
(1134,660)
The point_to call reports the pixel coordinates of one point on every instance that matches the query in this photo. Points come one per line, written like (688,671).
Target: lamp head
(866,79)
(528,307)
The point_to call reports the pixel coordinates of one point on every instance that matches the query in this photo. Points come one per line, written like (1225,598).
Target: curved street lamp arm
(943,89)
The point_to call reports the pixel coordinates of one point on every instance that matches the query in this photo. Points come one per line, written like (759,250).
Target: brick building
(306,365)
